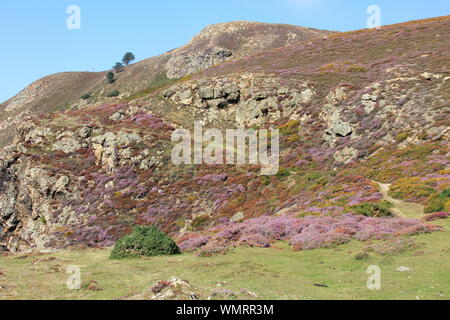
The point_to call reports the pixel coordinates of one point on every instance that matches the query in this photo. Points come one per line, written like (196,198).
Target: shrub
(410,189)
(113,93)
(290,127)
(118,67)
(86,96)
(284,172)
(110,77)
(434,203)
(356,68)
(402,137)
(144,241)
(437,202)
(445,194)
(373,209)
(200,222)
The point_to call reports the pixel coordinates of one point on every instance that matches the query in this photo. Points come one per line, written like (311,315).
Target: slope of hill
(49,94)
(352,108)
(215,44)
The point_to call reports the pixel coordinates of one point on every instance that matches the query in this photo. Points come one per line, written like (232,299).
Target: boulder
(206,93)
(238,217)
(217,103)
(346,155)
(68,145)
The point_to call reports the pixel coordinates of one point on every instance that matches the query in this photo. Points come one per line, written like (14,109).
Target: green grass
(277,273)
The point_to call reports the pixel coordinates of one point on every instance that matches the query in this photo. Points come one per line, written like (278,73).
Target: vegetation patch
(144,242)
(373,209)
(113,94)
(411,189)
(438,202)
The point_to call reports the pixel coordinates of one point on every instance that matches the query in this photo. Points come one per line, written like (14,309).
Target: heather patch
(306,233)
(437,216)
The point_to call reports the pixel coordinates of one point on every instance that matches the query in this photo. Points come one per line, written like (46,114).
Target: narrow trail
(401,208)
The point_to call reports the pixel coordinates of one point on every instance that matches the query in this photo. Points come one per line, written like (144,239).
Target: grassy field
(276,273)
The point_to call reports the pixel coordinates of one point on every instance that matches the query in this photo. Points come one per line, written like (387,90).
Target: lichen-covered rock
(346,155)
(181,65)
(68,145)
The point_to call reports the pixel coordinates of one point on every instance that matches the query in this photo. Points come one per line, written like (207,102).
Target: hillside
(213,45)
(353,110)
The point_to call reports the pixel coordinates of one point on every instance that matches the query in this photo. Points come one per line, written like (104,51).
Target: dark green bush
(373,209)
(118,67)
(113,93)
(445,194)
(144,242)
(86,96)
(110,77)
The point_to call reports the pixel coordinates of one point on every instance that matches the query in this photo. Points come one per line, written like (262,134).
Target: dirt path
(401,208)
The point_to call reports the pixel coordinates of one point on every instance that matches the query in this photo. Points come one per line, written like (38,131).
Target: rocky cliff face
(85,177)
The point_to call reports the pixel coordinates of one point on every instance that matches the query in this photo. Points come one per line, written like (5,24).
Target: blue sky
(36,42)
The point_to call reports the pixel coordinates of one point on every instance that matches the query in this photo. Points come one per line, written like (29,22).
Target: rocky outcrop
(246,99)
(185,64)
(26,201)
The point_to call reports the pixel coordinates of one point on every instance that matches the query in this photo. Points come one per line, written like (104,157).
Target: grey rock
(184,64)
(247,111)
(119,115)
(403,269)
(61,184)
(238,217)
(346,155)
(68,145)
(218,93)
(369,97)
(169,93)
(232,93)
(186,94)
(222,53)
(206,93)
(217,103)
(261,96)
(85,132)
